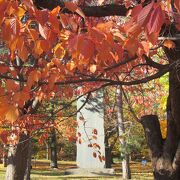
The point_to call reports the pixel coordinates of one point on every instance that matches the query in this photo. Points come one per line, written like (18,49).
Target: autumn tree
(54,47)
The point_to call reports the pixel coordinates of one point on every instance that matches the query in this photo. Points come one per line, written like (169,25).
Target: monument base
(90,171)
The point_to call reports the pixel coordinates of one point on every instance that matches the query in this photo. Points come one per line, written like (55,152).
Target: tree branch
(103,80)
(153,64)
(89,11)
(129,105)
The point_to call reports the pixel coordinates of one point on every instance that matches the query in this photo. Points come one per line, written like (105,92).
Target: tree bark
(29,166)
(53,147)
(121,130)
(17,159)
(5,156)
(47,150)
(108,154)
(162,153)
(165,153)
(89,11)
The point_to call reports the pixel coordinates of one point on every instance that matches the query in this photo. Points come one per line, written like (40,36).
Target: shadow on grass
(47,173)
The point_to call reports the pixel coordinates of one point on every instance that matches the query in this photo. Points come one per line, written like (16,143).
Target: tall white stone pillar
(90,132)
(90,142)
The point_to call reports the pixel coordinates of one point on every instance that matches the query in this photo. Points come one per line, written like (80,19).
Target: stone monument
(90,121)
(90,137)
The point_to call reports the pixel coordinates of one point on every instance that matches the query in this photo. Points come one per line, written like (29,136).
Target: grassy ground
(42,171)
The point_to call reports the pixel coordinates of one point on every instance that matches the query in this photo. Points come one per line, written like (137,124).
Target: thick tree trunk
(53,147)
(162,153)
(29,164)
(17,159)
(165,154)
(121,129)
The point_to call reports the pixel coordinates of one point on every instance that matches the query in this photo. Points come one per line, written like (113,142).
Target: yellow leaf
(59,51)
(12,114)
(93,68)
(163,127)
(20,12)
(71,65)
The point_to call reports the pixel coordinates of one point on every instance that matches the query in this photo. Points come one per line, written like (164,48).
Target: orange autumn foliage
(49,49)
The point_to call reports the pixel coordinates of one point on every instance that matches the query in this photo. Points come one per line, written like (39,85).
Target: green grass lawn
(42,171)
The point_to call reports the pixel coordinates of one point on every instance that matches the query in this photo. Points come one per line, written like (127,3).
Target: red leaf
(74,8)
(71,6)
(144,14)
(153,37)
(177,5)
(4,136)
(95,131)
(100,158)
(42,16)
(33,77)
(103,158)
(131,45)
(11,85)
(53,19)
(85,47)
(156,20)
(96,34)
(21,97)
(34,34)
(94,155)
(64,20)
(135,11)
(80,141)
(29,4)
(90,145)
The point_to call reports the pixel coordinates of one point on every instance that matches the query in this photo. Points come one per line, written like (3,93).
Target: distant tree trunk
(121,129)
(5,160)
(109,147)
(17,159)
(53,147)
(5,156)
(108,154)
(47,150)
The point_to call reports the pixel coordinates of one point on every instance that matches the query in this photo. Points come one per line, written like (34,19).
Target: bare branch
(129,104)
